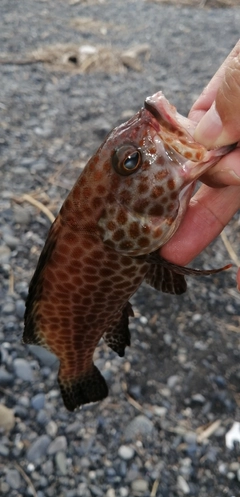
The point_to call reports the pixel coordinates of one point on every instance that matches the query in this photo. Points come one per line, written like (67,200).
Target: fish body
(127,202)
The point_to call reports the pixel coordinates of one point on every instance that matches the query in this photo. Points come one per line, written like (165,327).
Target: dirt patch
(84,58)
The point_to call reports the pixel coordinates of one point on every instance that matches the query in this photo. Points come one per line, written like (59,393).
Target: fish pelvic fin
(119,336)
(88,387)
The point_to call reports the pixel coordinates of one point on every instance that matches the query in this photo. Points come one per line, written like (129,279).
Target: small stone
(83,491)
(230,475)
(4,451)
(123,492)
(111,493)
(42,417)
(183,485)
(38,449)
(52,429)
(5,378)
(198,398)
(61,462)
(13,478)
(140,425)
(20,308)
(11,241)
(190,437)
(126,452)
(160,411)
(234,466)
(8,308)
(139,486)
(21,215)
(23,370)
(38,401)
(5,254)
(57,445)
(46,357)
(172,381)
(7,418)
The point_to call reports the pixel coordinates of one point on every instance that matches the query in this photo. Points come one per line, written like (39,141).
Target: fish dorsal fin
(31,332)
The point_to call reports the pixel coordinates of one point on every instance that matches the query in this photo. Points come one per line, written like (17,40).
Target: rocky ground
(175,395)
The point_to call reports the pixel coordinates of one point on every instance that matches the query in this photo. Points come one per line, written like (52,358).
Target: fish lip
(150,107)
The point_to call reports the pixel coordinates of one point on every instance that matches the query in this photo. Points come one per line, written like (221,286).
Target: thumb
(221,123)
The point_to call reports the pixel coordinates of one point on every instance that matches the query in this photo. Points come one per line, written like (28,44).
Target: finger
(226,172)
(221,124)
(207,97)
(208,213)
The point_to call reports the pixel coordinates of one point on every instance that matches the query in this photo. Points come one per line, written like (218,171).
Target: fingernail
(209,128)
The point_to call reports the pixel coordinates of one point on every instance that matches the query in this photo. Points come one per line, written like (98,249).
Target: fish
(126,204)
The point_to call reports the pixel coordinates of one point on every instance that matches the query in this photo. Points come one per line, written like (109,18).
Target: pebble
(140,425)
(198,398)
(38,449)
(20,308)
(13,478)
(23,370)
(183,485)
(5,254)
(5,378)
(38,401)
(126,452)
(139,486)
(57,445)
(173,380)
(4,451)
(42,417)
(61,462)
(46,357)
(7,418)
(11,241)
(83,491)
(52,428)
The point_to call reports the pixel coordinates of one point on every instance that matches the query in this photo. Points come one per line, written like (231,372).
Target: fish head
(150,163)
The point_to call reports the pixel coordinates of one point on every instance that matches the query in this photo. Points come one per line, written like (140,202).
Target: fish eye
(126,160)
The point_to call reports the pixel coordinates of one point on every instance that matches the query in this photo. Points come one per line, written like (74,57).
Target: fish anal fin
(119,336)
(88,387)
(163,279)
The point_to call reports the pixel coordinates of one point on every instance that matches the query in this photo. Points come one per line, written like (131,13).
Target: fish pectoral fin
(165,280)
(88,387)
(119,336)
(168,277)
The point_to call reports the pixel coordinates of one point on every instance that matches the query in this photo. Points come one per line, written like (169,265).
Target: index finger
(207,97)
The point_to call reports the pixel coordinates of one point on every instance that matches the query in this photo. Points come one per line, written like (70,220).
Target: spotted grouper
(126,204)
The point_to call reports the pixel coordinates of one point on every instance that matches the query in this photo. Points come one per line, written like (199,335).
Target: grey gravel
(57,445)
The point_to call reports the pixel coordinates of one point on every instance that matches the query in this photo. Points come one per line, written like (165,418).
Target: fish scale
(127,202)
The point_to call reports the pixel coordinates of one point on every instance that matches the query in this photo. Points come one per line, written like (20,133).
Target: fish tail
(88,387)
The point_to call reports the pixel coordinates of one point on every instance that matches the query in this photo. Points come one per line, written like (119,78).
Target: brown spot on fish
(134,230)
(156,210)
(118,235)
(157,191)
(171,184)
(121,217)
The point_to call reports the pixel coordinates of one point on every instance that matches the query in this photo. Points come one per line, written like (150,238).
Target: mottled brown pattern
(97,251)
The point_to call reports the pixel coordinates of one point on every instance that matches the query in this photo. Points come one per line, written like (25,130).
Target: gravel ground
(175,395)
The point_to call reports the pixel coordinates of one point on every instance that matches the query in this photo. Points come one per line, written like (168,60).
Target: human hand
(217,112)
